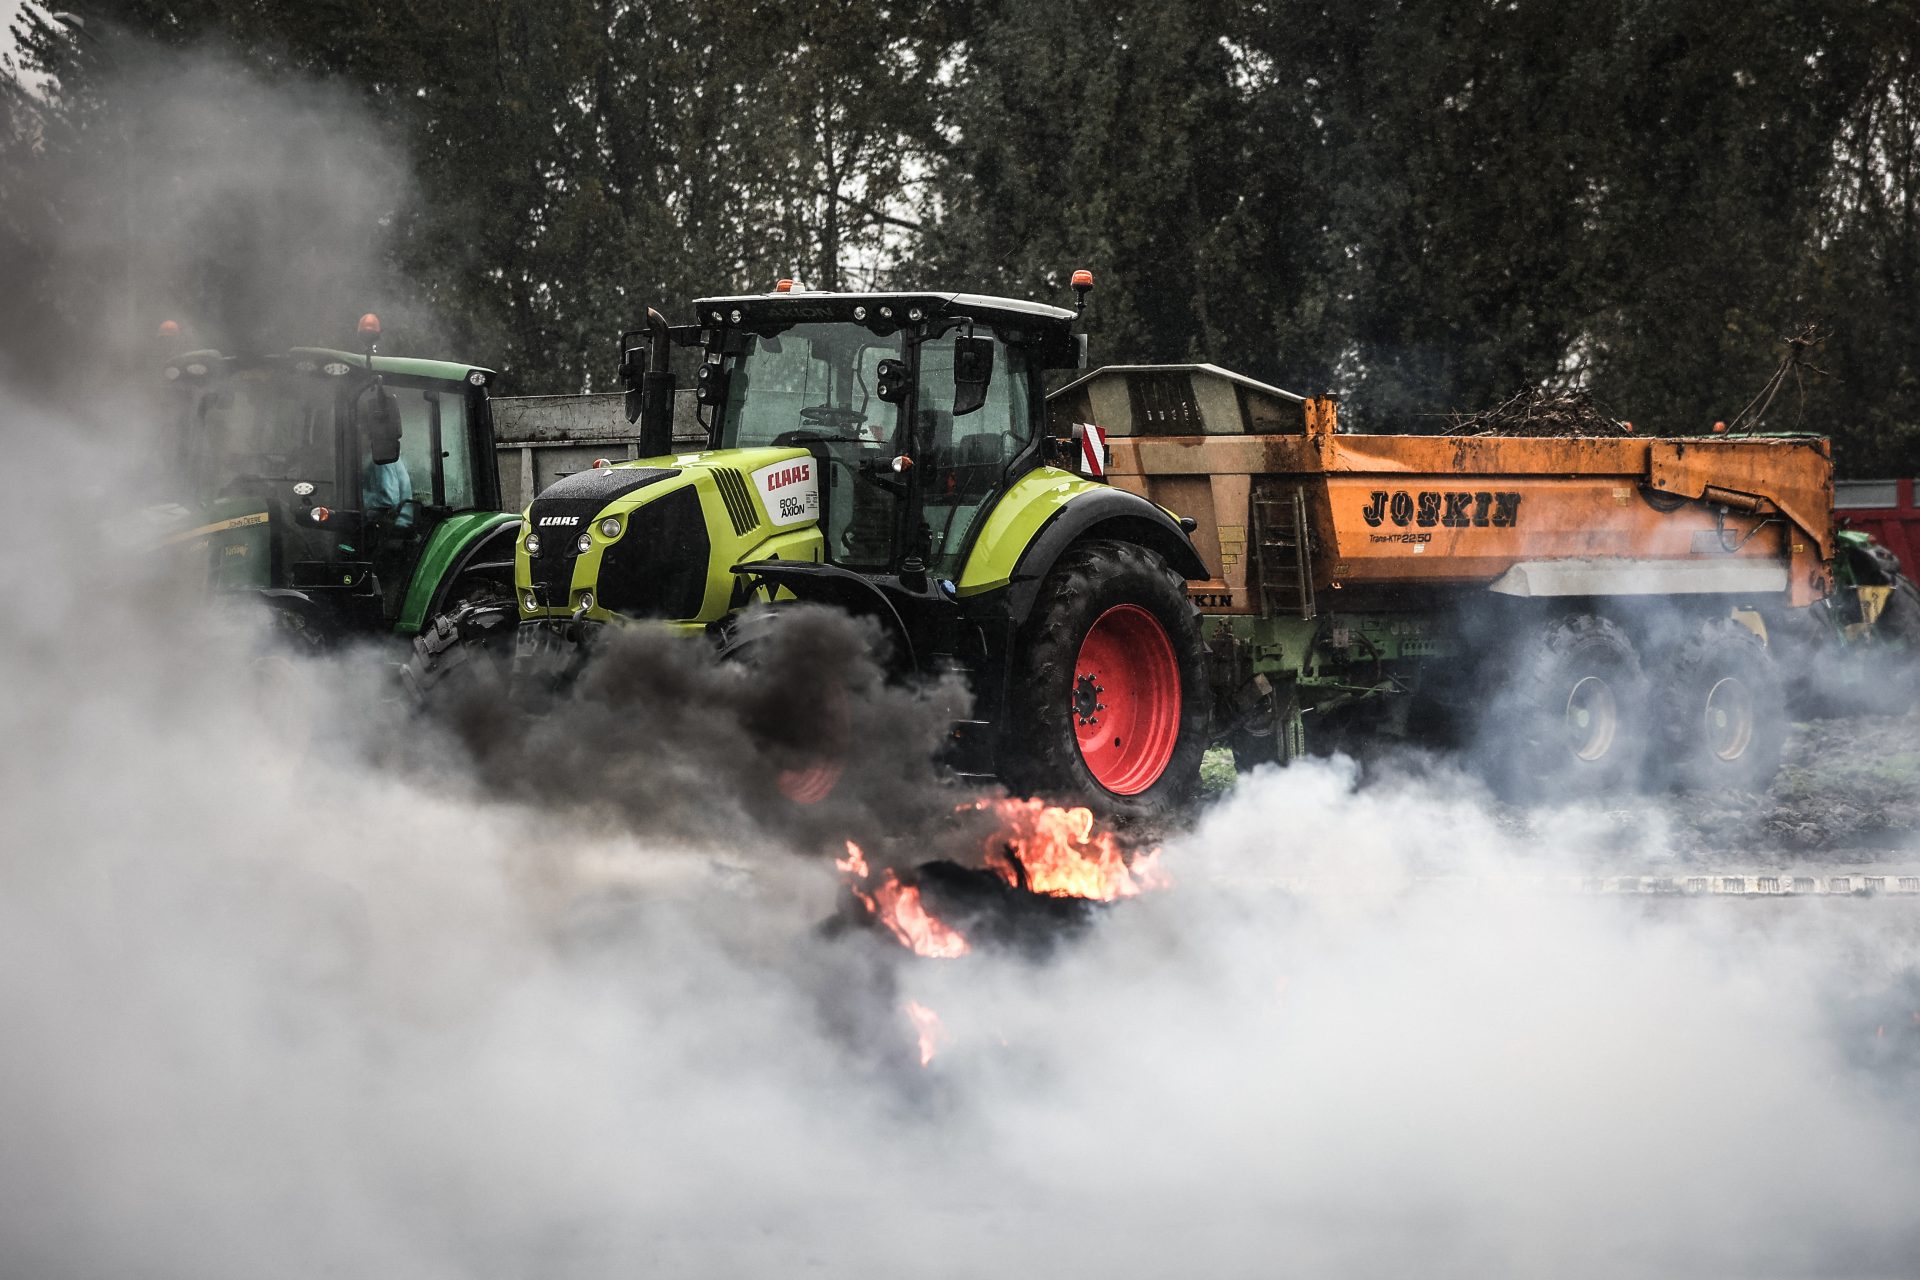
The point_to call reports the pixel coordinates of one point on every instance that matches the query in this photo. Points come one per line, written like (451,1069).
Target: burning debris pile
(1045,868)
(1537,411)
(1041,865)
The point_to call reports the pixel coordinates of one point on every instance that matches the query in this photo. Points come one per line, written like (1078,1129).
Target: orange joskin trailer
(1594,598)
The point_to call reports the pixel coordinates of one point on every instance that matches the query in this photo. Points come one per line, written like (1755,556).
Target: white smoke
(271,1010)
(273,1007)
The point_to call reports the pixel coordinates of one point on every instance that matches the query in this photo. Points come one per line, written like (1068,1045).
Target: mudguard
(458,544)
(1099,512)
(902,612)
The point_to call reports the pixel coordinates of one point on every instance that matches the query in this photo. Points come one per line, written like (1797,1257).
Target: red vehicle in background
(1888,511)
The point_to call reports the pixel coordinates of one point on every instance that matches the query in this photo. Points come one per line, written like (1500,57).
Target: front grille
(733,492)
(658,569)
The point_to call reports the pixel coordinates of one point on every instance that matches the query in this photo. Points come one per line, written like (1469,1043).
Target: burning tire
(1721,706)
(1109,701)
(1572,720)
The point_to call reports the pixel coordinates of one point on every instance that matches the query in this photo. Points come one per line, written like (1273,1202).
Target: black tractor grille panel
(658,569)
(565,510)
(733,492)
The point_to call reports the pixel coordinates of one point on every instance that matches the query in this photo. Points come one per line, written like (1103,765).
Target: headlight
(584,543)
(532,544)
(586,599)
(610,528)
(532,601)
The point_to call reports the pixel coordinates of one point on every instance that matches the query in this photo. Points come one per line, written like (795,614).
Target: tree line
(1422,204)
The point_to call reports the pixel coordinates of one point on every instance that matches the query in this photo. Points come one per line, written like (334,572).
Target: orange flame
(855,863)
(898,906)
(926,1025)
(1057,852)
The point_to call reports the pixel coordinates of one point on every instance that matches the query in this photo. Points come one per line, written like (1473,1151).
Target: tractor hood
(659,538)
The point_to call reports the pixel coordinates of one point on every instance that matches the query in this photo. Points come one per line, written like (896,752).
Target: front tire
(1108,696)
(1721,707)
(470,647)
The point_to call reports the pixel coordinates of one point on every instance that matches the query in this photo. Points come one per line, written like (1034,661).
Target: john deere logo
(1448,510)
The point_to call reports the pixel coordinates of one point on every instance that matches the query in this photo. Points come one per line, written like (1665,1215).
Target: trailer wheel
(1572,718)
(1108,702)
(1721,707)
(1263,735)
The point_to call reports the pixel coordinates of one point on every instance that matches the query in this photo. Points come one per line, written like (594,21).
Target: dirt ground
(1847,788)
(1847,794)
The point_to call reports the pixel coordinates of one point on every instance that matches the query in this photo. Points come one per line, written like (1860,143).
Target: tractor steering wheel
(833,415)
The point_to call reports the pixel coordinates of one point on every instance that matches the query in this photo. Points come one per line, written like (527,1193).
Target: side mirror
(972,371)
(890,381)
(382,423)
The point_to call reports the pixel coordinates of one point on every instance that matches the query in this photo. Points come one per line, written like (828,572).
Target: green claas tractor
(885,453)
(353,494)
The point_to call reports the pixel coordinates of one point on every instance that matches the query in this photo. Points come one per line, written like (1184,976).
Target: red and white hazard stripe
(1093,448)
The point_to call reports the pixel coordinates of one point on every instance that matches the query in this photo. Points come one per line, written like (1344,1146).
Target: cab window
(445,480)
(966,457)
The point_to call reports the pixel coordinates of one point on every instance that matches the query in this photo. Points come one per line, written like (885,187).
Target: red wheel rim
(815,778)
(812,784)
(1125,700)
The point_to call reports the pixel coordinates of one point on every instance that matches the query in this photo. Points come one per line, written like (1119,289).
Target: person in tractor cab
(386,491)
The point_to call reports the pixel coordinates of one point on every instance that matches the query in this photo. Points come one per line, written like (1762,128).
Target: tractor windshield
(259,424)
(811,382)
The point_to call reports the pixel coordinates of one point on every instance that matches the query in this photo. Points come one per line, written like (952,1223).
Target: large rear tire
(1108,700)
(1571,718)
(1721,709)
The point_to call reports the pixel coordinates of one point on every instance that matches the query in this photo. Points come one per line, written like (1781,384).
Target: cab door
(964,460)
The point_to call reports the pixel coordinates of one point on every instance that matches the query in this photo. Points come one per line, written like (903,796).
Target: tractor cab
(920,408)
(321,476)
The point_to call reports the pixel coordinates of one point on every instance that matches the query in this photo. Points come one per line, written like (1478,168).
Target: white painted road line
(1770,884)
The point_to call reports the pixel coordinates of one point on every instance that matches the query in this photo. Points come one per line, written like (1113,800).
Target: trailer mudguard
(1048,510)
(459,543)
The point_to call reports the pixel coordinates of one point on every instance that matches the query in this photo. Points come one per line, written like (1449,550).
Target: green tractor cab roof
(1048,327)
(197,364)
(396,366)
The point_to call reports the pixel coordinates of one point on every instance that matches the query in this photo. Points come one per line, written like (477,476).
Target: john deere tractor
(886,453)
(352,493)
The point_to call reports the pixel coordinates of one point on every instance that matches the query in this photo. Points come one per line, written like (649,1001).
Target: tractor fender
(863,595)
(1112,515)
(460,544)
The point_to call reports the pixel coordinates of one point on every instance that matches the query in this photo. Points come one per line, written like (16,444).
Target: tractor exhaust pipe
(649,379)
